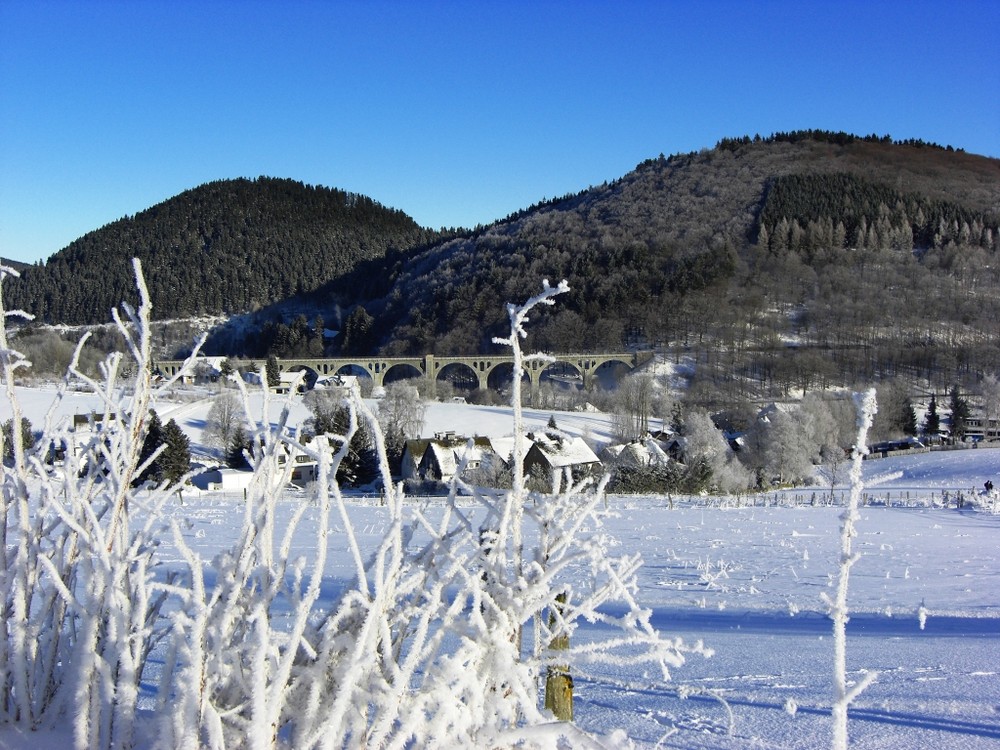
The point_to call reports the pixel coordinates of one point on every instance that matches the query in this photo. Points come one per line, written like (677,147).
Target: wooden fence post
(558,681)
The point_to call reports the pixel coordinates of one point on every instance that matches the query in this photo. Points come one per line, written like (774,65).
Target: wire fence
(959,498)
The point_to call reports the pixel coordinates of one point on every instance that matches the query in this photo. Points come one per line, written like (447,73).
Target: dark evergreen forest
(225,247)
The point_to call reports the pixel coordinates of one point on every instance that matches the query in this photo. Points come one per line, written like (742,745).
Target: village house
(345,384)
(289,380)
(441,457)
(203,370)
(83,429)
(635,455)
(413,452)
(305,469)
(224,479)
(554,457)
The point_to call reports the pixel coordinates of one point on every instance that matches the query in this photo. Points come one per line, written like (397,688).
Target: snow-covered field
(924,601)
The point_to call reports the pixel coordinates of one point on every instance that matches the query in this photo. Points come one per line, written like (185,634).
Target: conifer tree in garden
(959,414)
(273,372)
(150,443)
(175,461)
(932,422)
(238,445)
(27,437)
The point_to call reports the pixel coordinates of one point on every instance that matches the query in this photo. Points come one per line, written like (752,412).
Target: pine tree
(763,238)
(27,436)
(932,422)
(959,414)
(152,441)
(239,444)
(176,457)
(357,332)
(273,372)
(316,338)
(909,418)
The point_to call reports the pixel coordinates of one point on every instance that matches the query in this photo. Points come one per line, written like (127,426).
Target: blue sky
(457,113)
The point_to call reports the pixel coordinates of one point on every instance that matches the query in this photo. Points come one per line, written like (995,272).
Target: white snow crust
(743,575)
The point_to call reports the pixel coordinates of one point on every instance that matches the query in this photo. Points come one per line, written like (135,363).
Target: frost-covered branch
(837,608)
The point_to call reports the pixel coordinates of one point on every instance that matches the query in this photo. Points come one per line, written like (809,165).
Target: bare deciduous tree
(224,417)
(401,410)
(989,394)
(633,407)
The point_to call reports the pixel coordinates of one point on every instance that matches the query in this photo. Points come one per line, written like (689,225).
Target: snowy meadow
(139,616)
(925,614)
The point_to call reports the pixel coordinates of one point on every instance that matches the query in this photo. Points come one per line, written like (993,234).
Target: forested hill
(685,246)
(867,253)
(224,247)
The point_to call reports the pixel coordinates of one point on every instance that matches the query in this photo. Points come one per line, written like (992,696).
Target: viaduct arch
(430,366)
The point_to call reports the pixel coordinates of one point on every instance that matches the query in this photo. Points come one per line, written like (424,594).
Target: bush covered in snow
(425,647)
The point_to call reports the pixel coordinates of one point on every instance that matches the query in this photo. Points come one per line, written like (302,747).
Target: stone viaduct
(432,367)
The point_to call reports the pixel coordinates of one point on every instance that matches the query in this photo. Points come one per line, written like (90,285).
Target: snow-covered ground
(924,601)
(189,407)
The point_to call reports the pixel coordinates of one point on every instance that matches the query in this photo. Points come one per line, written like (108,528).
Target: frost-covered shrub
(80,613)
(424,647)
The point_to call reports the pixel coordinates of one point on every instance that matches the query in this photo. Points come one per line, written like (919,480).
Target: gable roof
(636,454)
(565,451)
(445,455)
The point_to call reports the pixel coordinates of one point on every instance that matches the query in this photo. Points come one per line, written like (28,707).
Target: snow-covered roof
(775,407)
(637,454)
(504,446)
(566,451)
(448,454)
(337,381)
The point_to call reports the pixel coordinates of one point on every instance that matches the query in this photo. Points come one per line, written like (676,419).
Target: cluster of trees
(816,213)
(299,339)
(839,138)
(165,452)
(400,416)
(224,247)
(780,445)
(166,449)
(333,421)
